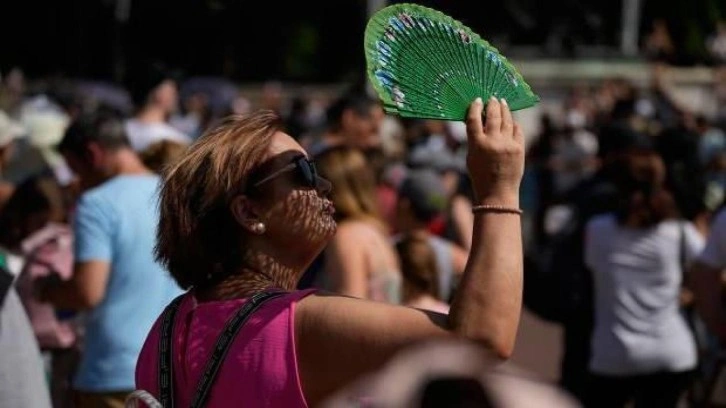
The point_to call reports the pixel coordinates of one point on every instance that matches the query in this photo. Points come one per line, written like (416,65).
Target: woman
(642,348)
(359,261)
(244,212)
(420,273)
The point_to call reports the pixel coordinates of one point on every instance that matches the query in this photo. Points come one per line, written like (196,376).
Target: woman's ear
(244,212)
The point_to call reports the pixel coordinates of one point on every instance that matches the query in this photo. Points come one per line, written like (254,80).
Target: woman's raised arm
(339,338)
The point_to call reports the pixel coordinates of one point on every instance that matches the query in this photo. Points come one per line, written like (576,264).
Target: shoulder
(95,200)
(354,229)
(125,184)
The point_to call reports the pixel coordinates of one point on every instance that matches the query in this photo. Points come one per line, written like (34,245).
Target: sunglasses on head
(304,167)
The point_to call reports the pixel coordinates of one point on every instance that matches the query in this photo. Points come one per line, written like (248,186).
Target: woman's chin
(330,227)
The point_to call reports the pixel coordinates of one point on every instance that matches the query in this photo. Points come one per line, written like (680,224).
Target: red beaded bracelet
(496,209)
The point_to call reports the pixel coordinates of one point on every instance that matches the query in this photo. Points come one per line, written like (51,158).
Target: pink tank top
(260,368)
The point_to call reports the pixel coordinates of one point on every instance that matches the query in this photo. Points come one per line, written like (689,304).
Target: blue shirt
(116,223)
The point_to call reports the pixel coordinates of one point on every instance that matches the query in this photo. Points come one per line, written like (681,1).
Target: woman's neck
(258,273)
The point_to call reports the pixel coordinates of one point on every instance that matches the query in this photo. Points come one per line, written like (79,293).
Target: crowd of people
(115,204)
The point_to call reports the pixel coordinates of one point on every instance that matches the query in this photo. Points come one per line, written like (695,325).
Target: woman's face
(296,215)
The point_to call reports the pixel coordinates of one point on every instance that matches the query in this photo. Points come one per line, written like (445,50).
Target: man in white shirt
(157,97)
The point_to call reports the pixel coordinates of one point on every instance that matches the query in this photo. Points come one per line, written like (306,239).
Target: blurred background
(614,76)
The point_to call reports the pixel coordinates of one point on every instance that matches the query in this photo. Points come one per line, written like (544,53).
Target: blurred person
(667,112)
(352,120)
(244,213)
(658,44)
(196,117)
(558,284)
(240,106)
(679,148)
(296,123)
(46,123)
(392,138)
(444,162)
(423,198)
(716,43)
(715,181)
(538,157)
(642,348)
(10,131)
(33,228)
(459,218)
(22,381)
(711,141)
(574,154)
(162,154)
(387,174)
(437,157)
(156,97)
(359,260)
(707,282)
(720,96)
(273,97)
(12,92)
(448,374)
(420,273)
(115,278)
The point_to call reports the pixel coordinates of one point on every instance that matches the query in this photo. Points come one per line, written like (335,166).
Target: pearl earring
(259,228)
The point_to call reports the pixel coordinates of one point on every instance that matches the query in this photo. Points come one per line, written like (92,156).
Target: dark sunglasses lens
(307,169)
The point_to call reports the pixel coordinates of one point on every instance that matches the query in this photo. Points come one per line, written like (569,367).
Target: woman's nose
(323,186)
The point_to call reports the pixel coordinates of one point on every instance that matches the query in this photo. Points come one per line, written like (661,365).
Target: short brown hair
(198,238)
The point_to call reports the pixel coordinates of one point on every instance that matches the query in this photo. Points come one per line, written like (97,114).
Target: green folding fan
(424,64)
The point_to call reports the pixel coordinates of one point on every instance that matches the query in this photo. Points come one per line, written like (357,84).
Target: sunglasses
(305,169)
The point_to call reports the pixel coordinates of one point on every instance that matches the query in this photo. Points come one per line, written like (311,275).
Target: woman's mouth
(328,207)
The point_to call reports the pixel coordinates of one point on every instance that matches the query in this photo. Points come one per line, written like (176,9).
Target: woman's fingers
(507,121)
(494,117)
(474,126)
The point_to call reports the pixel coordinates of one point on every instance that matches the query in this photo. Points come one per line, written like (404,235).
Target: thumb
(474,125)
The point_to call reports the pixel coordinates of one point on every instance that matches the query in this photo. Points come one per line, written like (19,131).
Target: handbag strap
(221,348)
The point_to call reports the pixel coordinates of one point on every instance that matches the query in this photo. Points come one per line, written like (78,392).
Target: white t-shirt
(714,255)
(637,278)
(142,135)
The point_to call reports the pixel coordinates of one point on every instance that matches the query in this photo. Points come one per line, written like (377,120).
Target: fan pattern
(424,64)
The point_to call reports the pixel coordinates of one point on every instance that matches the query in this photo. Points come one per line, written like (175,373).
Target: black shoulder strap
(224,341)
(166,377)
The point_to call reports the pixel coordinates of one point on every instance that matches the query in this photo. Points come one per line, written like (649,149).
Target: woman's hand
(496,153)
